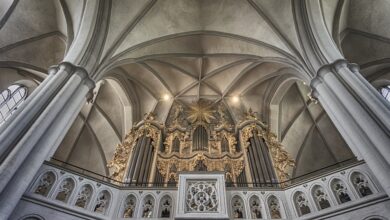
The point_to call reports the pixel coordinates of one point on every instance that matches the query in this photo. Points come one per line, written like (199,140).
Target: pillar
(40,126)
(359,113)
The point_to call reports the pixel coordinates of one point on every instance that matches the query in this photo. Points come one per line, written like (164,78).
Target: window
(10,99)
(385,91)
(130,205)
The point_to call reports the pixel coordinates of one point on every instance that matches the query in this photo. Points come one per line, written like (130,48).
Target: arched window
(130,205)
(361,184)
(84,196)
(340,191)
(320,197)
(225,145)
(301,204)
(102,202)
(200,139)
(147,207)
(176,145)
(238,210)
(274,207)
(65,189)
(165,207)
(254,203)
(10,99)
(45,184)
(385,91)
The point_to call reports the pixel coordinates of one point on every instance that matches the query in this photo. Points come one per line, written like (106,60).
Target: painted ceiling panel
(291,107)
(174,79)
(370,16)
(42,53)
(123,15)
(284,24)
(111,106)
(75,8)
(191,65)
(29,19)
(315,153)
(378,49)
(140,75)
(104,132)
(335,142)
(164,18)
(87,154)
(329,9)
(222,79)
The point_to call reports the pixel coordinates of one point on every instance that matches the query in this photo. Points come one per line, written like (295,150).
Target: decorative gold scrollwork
(280,157)
(124,150)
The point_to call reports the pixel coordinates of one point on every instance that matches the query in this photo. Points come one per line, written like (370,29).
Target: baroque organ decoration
(149,127)
(203,129)
(251,126)
(201,136)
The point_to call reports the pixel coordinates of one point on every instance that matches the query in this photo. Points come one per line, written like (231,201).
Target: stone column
(43,132)
(358,112)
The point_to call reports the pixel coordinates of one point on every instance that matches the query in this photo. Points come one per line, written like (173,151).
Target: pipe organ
(200,137)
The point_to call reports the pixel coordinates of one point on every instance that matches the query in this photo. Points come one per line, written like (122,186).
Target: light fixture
(235,99)
(166,97)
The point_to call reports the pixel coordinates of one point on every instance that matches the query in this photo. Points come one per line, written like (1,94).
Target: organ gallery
(194,109)
(201,137)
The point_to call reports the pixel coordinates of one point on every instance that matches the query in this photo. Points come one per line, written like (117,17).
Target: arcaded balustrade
(68,191)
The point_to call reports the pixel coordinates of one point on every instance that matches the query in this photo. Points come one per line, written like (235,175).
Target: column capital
(69,68)
(331,67)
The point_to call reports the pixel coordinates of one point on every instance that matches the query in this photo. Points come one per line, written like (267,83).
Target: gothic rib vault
(217,50)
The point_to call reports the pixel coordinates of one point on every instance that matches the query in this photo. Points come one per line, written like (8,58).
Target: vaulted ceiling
(191,49)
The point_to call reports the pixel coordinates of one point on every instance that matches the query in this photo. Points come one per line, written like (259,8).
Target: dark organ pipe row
(200,139)
(141,161)
(260,163)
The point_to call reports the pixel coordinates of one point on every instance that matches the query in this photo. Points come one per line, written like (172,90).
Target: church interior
(194,109)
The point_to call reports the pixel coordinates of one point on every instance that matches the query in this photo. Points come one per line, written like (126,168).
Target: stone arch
(320,197)
(45,183)
(102,202)
(274,207)
(340,190)
(148,206)
(301,203)
(255,206)
(65,189)
(361,183)
(32,217)
(129,206)
(238,207)
(165,207)
(84,196)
